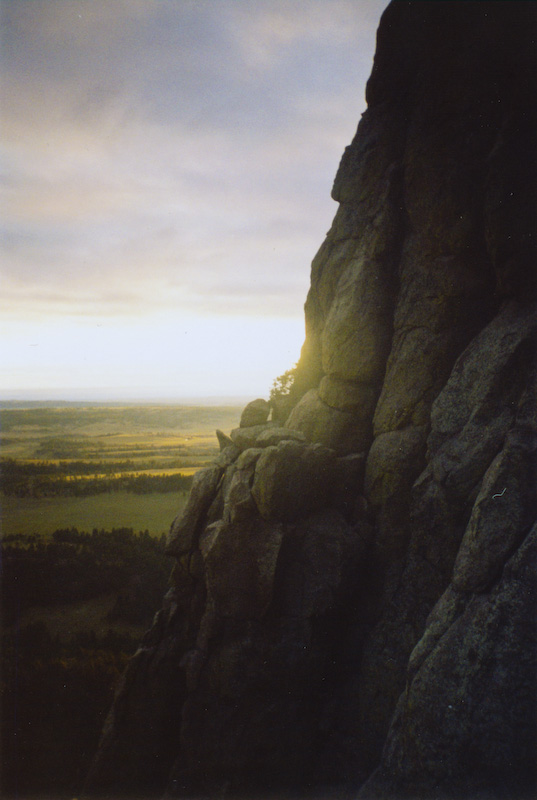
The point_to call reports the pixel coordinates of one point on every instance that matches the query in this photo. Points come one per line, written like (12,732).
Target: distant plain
(98,442)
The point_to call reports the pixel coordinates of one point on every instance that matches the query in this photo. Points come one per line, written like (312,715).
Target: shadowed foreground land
(88,495)
(353,607)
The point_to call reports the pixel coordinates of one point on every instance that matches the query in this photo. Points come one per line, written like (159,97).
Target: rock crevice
(352,610)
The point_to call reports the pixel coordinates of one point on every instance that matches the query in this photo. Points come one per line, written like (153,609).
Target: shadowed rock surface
(353,602)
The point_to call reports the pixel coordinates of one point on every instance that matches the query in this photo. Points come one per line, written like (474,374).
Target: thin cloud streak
(173,156)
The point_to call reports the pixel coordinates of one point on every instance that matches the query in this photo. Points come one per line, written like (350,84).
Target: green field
(44,515)
(114,432)
(79,484)
(104,440)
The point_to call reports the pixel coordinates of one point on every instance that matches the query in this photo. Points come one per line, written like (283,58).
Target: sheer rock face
(353,599)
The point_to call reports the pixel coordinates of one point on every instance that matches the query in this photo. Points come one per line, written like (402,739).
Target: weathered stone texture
(472,698)
(292,480)
(255,413)
(186,527)
(344,431)
(354,593)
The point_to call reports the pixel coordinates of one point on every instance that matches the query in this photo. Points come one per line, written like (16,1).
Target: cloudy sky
(166,168)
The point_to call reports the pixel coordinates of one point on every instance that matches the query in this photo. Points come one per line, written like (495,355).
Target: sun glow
(159,357)
(167,183)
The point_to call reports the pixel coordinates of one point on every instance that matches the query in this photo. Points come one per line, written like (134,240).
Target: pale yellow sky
(158,357)
(166,176)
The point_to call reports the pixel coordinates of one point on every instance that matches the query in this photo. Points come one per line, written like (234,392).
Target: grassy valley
(102,466)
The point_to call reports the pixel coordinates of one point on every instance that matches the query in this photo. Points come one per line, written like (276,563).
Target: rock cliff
(352,611)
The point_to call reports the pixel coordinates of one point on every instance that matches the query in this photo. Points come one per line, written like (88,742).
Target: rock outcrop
(352,605)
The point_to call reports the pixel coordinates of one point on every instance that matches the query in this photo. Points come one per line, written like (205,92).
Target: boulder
(227,455)
(246,438)
(292,480)
(256,413)
(394,461)
(186,527)
(343,431)
(357,333)
(273,436)
(240,562)
(357,398)
(238,500)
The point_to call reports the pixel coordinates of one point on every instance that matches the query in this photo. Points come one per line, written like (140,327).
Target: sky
(166,168)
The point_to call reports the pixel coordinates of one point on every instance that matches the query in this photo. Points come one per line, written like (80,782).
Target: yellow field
(123,473)
(117,440)
(113,432)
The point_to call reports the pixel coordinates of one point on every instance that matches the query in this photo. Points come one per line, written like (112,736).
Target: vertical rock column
(314,635)
(354,284)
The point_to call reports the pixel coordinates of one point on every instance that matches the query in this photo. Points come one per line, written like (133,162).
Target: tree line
(78,566)
(56,691)
(25,480)
(81,467)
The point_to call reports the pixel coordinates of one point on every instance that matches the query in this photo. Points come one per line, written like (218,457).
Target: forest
(57,687)
(77,598)
(44,479)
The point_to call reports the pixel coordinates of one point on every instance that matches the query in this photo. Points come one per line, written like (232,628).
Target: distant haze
(67,395)
(166,175)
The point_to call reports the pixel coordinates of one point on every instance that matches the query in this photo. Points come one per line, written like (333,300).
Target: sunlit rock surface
(352,610)
(256,413)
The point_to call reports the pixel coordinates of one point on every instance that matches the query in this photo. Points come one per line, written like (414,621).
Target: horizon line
(19,398)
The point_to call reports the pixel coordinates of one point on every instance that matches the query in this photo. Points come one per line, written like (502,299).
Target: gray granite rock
(255,413)
(335,634)
(186,527)
(292,480)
